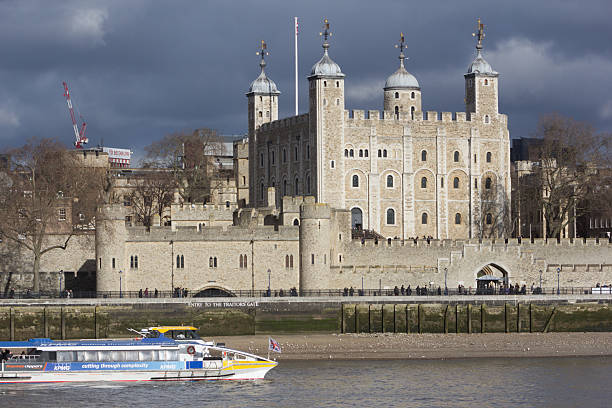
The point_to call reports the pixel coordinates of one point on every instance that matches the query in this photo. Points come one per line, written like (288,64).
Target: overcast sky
(139,69)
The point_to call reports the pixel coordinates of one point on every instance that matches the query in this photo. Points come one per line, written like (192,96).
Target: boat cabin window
(118,355)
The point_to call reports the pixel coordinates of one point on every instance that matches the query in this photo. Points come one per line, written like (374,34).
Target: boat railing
(27,357)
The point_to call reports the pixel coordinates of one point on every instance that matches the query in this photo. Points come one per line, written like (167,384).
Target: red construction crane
(80,135)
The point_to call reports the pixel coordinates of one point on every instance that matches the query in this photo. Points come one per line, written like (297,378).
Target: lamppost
(120,272)
(558,273)
(445,287)
(269,291)
(540,281)
(172,269)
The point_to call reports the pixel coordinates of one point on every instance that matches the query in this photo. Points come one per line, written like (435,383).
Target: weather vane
(263,52)
(480,34)
(326,33)
(402,47)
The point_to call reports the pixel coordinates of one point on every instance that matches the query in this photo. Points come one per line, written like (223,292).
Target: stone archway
(490,277)
(214,292)
(356,218)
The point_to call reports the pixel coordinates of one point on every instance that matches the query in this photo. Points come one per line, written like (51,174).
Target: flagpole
(295,19)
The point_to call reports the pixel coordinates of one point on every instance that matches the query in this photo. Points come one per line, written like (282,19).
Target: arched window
(396,95)
(384,152)
(178,261)
(457,218)
(345,152)
(442,182)
(215,261)
(412,95)
(325,83)
(488,183)
(379,153)
(488,157)
(351,153)
(284,187)
(360,152)
(424,218)
(337,84)
(412,112)
(241,263)
(389,180)
(296,222)
(286,261)
(291,261)
(424,155)
(489,220)
(396,112)
(260,114)
(210,262)
(245,260)
(456,182)
(487,120)
(355,180)
(456,157)
(296,186)
(365,152)
(261,191)
(390,216)
(424,182)
(295,153)
(182,261)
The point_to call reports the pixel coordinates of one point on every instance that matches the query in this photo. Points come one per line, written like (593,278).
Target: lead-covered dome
(402,79)
(263,84)
(480,65)
(326,67)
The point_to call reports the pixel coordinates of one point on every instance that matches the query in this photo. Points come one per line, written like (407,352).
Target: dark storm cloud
(139,69)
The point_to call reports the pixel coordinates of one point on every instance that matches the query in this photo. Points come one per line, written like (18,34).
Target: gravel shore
(425,346)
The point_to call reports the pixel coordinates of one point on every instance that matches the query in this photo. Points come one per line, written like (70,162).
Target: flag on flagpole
(297,31)
(273,345)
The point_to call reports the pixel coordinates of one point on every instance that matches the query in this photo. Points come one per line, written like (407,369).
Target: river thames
(504,382)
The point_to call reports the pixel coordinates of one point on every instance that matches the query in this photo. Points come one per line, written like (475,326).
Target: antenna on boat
(140,333)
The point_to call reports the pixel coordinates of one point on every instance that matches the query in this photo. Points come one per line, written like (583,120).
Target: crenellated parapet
(357,116)
(286,122)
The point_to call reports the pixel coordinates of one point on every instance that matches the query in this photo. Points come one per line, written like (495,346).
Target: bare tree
(572,161)
(46,183)
(152,193)
(493,216)
(191,156)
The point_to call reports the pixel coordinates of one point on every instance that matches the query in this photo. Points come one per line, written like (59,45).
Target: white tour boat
(164,353)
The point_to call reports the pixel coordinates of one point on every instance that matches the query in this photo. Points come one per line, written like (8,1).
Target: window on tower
(424,155)
(397,95)
(390,181)
(390,216)
(456,157)
(424,182)
(355,180)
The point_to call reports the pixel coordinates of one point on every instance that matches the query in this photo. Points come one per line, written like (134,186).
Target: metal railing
(408,291)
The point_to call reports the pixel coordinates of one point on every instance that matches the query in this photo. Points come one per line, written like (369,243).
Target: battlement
(285,122)
(311,210)
(229,233)
(429,116)
(201,211)
(484,243)
(241,149)
(291,204)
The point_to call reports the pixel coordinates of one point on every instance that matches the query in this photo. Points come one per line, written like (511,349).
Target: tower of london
(402,172)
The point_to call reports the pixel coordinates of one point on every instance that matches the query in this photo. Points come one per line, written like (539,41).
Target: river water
(549,382)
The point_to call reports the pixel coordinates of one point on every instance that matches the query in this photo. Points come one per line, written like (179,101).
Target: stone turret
(402,90)
(314,245)
(263,108)
(481,84)
(326,107)
(112,265)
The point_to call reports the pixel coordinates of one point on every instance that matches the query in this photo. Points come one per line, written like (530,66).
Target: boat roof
(164,329)
(48,344)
